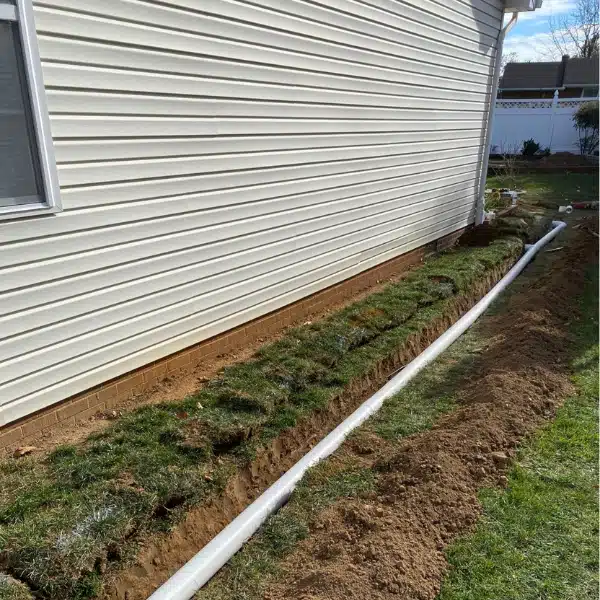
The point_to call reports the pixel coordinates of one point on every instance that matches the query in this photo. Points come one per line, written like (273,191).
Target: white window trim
(39,110)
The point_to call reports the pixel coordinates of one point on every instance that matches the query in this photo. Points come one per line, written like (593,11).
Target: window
(591,92)
(28,179)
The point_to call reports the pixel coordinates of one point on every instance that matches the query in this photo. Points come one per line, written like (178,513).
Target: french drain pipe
(194,574)
(490,120)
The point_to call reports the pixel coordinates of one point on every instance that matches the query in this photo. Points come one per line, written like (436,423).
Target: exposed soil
(163,555)
(391,545)
(177,387)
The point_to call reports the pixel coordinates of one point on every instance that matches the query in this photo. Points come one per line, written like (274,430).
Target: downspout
(490,120)
(198,571)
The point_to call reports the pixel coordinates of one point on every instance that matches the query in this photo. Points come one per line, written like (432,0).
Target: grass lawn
(551,189)
(538,540)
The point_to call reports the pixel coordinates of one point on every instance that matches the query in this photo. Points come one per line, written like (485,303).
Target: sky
(530,37)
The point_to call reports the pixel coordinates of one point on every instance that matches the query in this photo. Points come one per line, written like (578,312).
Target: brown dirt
(391,545)
(163,555)
(177,387)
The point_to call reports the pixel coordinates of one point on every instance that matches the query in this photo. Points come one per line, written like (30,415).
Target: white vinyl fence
(548,121)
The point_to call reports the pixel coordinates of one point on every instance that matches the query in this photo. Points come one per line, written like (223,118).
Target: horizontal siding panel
(152,257)
(252,201)
(60,24)
(368,222)
(108,126)
(349,14)
(347,91)
(87,150)
(294,34)
(111,252)
(35,367)
(176,269)
(106,172)
(315,71)
(91,103)
(194,184)
(452,11)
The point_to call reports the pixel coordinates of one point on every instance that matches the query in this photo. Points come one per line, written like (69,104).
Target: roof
(569,72)
(581,71)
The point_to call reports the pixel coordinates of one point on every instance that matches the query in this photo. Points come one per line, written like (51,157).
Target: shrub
(530,148)
(586,122)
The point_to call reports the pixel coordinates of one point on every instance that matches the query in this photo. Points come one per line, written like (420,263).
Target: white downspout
(195,573)
(490,120)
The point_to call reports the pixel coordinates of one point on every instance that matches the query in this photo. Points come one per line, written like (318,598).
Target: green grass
(65,519)
(550,190)
(10,589)
(539,538)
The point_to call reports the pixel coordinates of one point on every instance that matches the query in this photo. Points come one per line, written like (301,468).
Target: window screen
(19,183)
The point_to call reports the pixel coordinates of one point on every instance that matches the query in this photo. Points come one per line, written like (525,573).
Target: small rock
(500,458)
(24,451)
(156,561)
(379,511)
(112,414)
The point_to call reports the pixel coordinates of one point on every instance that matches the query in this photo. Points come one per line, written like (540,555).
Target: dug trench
(384,535)
(118,513)
(161,557)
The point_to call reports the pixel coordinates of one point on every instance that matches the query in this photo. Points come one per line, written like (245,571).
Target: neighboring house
(172,170)
(572,77)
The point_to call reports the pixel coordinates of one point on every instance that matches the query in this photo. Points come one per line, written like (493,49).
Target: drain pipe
(490,120)
(198,571)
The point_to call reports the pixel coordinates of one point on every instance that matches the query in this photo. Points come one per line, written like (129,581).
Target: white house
(172,169)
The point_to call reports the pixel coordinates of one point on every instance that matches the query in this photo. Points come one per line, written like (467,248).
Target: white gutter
(490,120)
(198,571)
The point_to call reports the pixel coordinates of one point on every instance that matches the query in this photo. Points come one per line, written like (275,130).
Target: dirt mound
(391,545)
(564,159)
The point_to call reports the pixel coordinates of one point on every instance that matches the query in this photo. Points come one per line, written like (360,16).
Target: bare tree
(577,32)
(508,58)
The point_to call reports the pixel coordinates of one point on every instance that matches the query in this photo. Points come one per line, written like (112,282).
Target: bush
(530,148)
(586,122)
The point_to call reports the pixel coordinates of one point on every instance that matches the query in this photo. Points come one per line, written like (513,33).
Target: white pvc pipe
(198,571)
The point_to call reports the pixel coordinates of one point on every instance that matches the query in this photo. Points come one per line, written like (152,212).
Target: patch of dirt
(163,555)
(176,387)
(565,159)
(391,546)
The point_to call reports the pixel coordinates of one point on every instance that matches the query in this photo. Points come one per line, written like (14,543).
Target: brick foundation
(111,393)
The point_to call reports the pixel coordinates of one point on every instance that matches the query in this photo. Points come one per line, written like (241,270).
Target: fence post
(554,107)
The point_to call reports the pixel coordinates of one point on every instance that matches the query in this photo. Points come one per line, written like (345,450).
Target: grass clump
(539,539)
(65,520)
(11,589)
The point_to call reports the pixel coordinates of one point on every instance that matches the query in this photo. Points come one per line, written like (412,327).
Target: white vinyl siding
(219,160)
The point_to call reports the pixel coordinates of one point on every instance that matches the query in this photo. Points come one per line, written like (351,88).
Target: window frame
(20,12)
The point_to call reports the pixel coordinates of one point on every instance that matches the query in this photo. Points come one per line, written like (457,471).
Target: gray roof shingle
(550,75)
